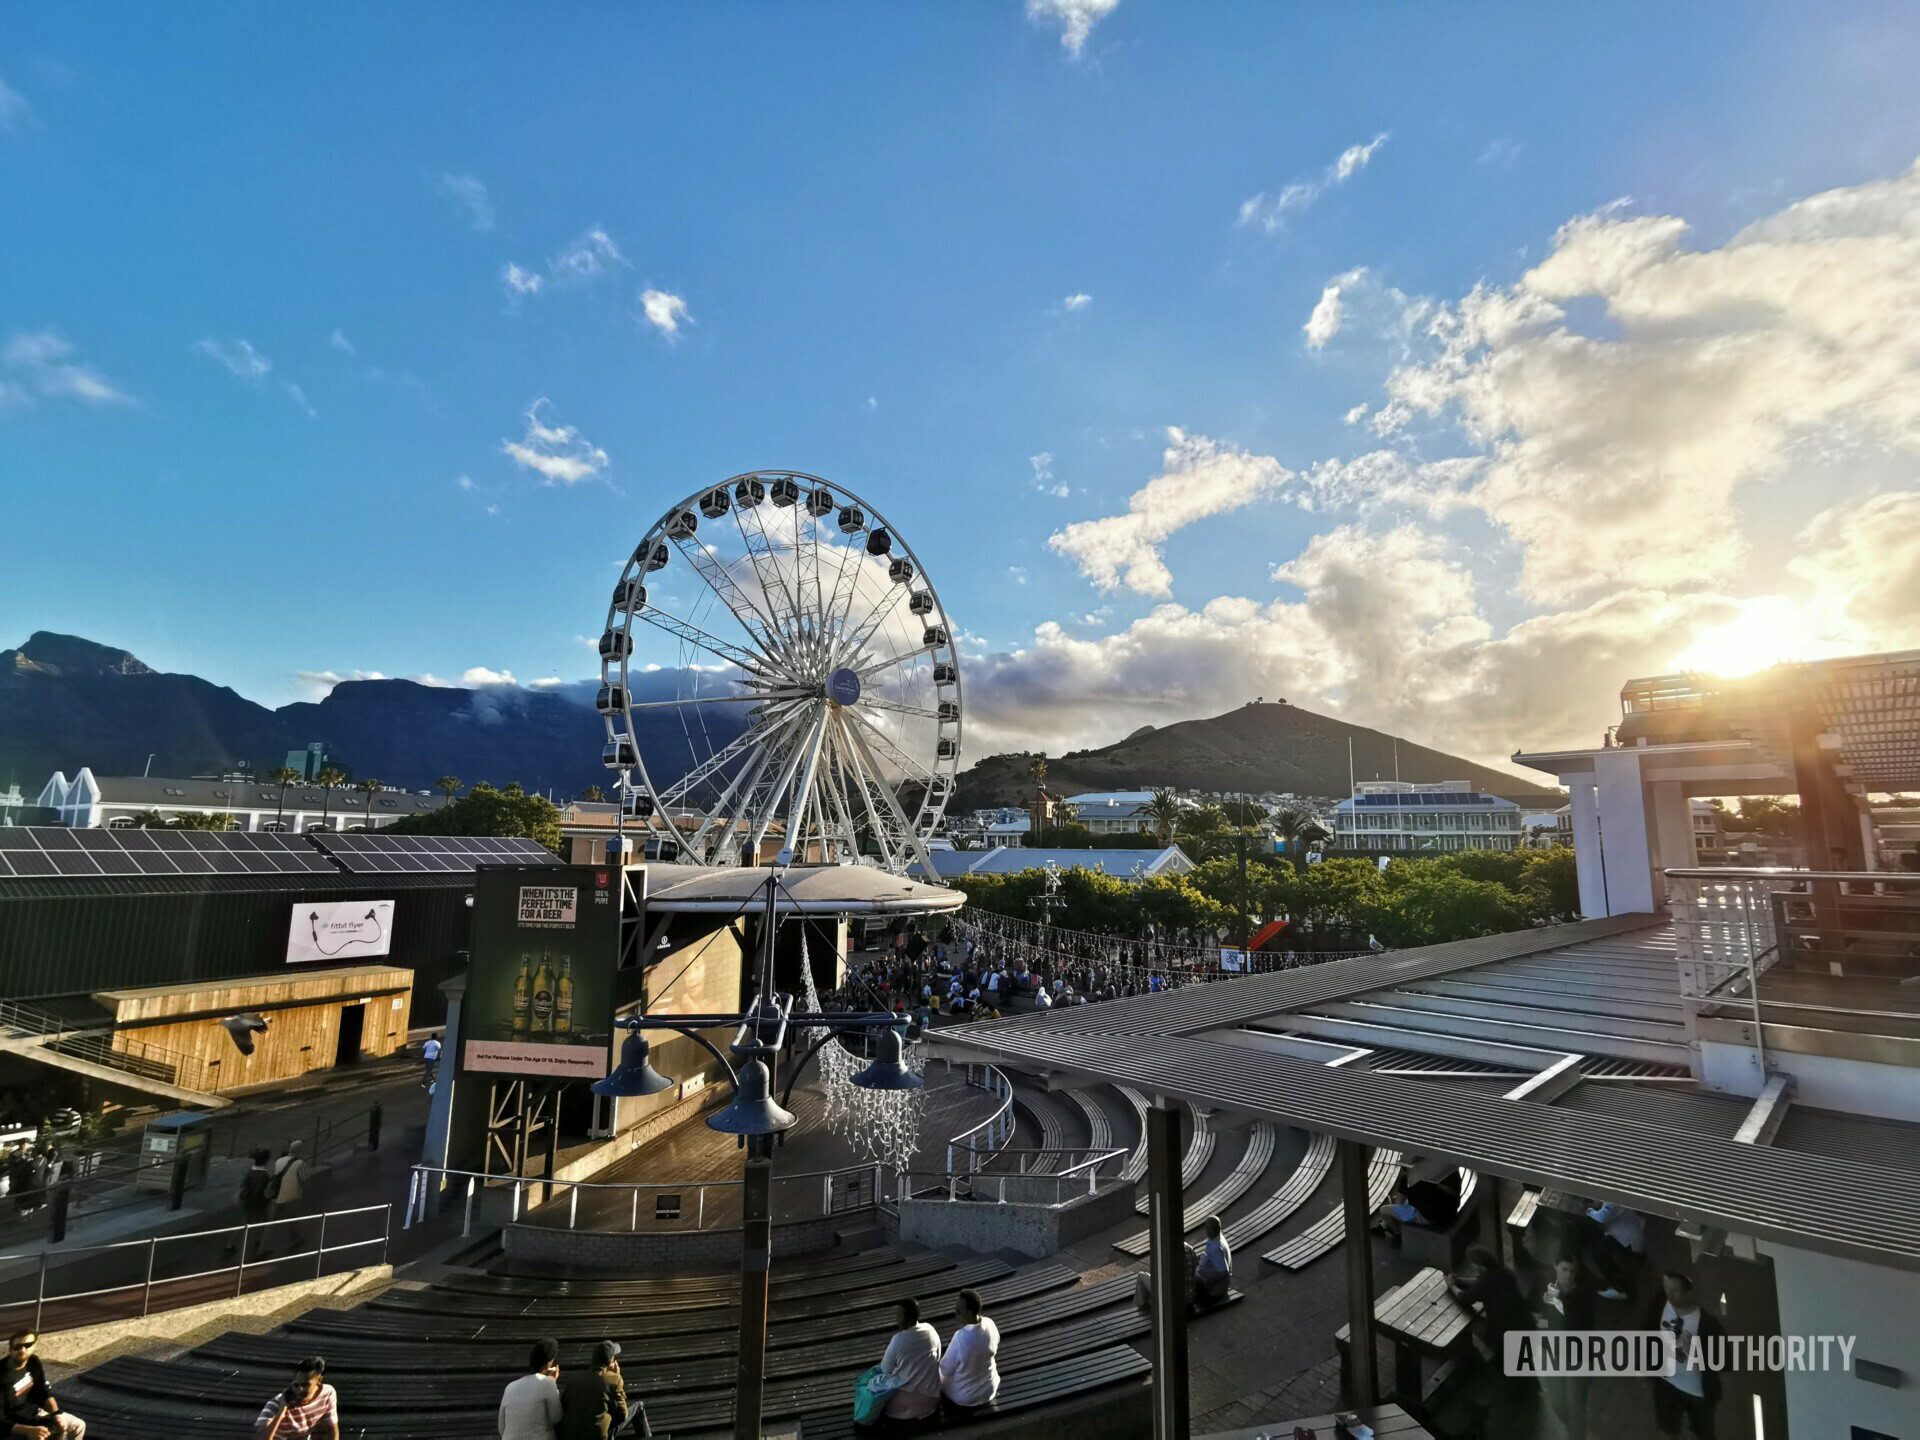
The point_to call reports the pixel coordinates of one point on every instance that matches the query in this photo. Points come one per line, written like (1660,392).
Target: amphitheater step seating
(1245,1173)
(1326,1232)
(1199,1152)
(1025,1390)
(1099,1124)
(1045,1109)
(1136,1165)
(1277,1208)
(1060,1339)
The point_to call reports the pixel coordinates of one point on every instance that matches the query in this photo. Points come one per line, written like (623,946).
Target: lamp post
(759,1033)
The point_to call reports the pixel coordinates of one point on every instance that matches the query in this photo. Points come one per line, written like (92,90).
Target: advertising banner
(1231,959)
(331,931)
(539,1000)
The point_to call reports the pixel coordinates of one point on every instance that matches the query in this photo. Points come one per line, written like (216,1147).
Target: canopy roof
(803,890)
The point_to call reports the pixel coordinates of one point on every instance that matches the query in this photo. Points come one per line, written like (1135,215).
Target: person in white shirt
(530,1406)
(290,1173)
(1213,1276)
(968,1375)
(1685,1400)
(913,1357)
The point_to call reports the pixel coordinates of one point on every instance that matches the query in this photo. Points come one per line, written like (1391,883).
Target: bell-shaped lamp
(752,1111)
(888,1070)
(635,1075)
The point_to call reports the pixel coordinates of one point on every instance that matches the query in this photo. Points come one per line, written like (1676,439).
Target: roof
(1662,1146)
(1117,799)
(805,889)
(159,793)
(1424,800)
(1123,863)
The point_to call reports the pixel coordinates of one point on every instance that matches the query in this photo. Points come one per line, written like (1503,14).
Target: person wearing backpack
(289,1188)
(254,1197)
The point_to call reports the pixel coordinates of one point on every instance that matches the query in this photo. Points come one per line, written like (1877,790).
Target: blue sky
(256,333)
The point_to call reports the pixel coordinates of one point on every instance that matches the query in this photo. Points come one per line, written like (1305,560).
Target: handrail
(999,1125)
(966,1186)
(245,1231)
(420,1190)
(1789,872)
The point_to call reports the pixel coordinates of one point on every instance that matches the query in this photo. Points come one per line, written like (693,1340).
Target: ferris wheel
(815,687)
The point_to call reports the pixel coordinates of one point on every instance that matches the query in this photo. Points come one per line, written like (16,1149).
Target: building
(308,762)
(1114,812)
(1016,860)
(1402,815)
(1834,732)
(1010,834)
(112,802)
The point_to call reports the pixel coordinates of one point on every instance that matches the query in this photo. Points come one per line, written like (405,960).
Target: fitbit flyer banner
(539,1001)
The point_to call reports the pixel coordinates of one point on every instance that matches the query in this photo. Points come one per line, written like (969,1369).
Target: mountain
(66,702)
(1270,748)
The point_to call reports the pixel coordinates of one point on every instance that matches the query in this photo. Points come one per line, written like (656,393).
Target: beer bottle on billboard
(543,996)
(522,996)
(563,999)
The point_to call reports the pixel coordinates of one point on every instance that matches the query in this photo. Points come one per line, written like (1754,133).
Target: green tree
(331,778)
(484,810)
(449,786)
(1244,812)
(1430,904)
(368,787)
(149,820)
(1164,809)
(282,776)
(1770,815)
(218,821)
(1551,884)
(592,792)
(1297,829)
(1203,831)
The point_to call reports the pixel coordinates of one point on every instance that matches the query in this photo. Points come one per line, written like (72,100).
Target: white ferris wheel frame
(803,748)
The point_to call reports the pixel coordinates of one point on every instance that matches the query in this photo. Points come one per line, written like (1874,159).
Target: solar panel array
(366,853)
(33,850)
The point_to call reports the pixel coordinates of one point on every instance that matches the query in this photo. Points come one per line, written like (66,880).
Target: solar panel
(15,838)
(169,839)
(30,862)
(371,853)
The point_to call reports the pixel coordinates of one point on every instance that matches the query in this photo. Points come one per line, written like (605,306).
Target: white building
(1403,815)
(1114,812)
(113,801)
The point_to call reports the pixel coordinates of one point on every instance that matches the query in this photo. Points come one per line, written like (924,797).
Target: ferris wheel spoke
(886,745)
(778,594)
(744,779)
(836,792)
(694,635)
(751,617)
(874,702)
(763,816)
(868,627)
(903,658)
(911,837)
(758,697)
(749,738)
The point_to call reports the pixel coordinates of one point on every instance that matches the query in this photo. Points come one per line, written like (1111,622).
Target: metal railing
(99,1042)
(240,1243)
(1033,1183)
(840,1192)
(995,1131)
(1855,930)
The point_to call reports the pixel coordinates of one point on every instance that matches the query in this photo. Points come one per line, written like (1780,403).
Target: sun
(1769,630)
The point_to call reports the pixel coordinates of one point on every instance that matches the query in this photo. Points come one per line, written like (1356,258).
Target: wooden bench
(1199,1152)
(1273,1212)
(1026,1390)
(1326,1232)
(1239,1180)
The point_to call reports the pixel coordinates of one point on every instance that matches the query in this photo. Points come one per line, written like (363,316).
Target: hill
(66,702)
(1259,749)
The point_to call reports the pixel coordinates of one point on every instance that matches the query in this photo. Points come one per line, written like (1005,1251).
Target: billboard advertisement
(546,941)
(337,931)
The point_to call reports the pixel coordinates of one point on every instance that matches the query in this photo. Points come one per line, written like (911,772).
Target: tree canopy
(484,810)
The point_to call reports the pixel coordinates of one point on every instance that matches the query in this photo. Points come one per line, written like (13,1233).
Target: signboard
(1230,959)
(539,998)
(330,931)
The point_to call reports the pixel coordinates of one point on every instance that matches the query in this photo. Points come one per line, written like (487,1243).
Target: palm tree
(1299,830)
(368,787)
(329,779)
(284,776)
(593,792)
(1165,812)
(449,786)
(1201,830)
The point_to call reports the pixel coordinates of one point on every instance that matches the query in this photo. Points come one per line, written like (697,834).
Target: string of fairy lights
(883,1126)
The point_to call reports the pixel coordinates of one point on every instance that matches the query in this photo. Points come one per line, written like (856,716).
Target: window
(274,826)
(120,822)
(175,790)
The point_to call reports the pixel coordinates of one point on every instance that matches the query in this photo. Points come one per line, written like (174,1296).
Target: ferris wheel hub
(843,686)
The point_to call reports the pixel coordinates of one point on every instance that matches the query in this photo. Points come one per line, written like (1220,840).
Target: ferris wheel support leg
(797,815)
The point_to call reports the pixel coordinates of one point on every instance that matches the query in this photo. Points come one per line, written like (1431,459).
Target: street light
(760,1034)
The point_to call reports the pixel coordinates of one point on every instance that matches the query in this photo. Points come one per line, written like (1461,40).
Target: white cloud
(559,454)
(1356,414)
(1501,152)
(40,365)
(521,282)
(873,402)
(1271,211)
(1199,478)
(1076,19)
(1720,369)
(316,685)
(340,342)
(465,482)
(15,112)
(239,357)
(1017,574)
(1078,301)
(590,255)
(1862,560)
(299,398)
(479,676)
(1324,323)
(469,197)
(663,311)
(1043,480)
